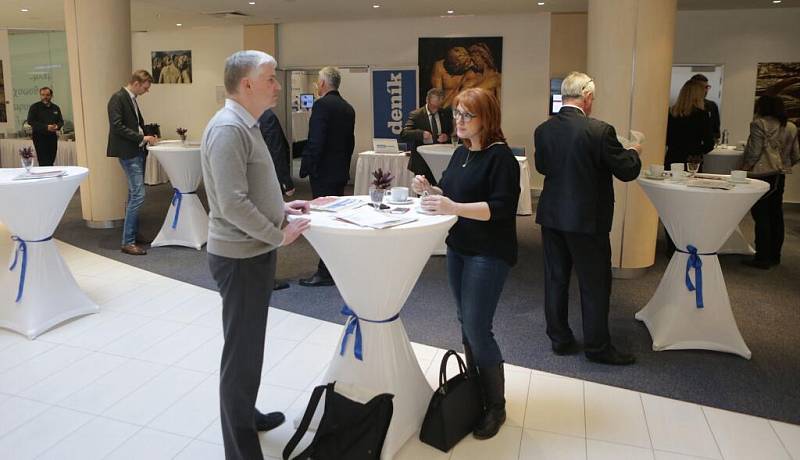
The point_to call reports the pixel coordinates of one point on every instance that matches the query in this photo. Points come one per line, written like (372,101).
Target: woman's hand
(439,204)
(420,184)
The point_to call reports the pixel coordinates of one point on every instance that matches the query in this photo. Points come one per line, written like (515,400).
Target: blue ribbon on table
(22,247)
(354,326)
(694,262)
(178,197)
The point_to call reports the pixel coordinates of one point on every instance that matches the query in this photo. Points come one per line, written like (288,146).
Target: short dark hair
(699,77)
(771,106)
(46,88)
(141,76)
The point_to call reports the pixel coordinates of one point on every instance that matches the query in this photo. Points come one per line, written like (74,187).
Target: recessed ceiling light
(179,24)
(251,3)
(376,6)
(450,11)
(24,10)
(776,1)
(540,3)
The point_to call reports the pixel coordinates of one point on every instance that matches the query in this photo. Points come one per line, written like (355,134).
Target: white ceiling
(162,14)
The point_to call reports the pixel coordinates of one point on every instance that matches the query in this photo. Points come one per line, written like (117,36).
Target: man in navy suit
(578,156)
(326,157)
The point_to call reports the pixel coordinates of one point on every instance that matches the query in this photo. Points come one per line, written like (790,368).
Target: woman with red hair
(481,187)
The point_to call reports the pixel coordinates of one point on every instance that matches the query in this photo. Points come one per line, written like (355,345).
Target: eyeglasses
(586,85)
(466,116)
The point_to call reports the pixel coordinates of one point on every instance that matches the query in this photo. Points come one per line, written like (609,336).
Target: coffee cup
(676,169)
(738,175)
(399,194)
(656,170)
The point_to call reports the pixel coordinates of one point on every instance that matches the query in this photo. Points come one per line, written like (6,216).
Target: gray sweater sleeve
(228,156)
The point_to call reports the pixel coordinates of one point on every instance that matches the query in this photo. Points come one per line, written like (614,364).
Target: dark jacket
(331,140)
(687,136)
(577,156)
(418,122)
(278,147)
(40,115)
(713,116)
(124,139)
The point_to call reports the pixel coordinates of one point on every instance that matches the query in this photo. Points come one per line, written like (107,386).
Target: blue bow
(694,262)
(353,325)
(22,247)
(178,197)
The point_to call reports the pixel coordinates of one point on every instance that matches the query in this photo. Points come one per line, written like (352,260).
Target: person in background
(246,226)
(429,124)
(169,71)
(771,151)
(278,147)
(481,187)
(127,142)
(45,119)
(578,156)
(710,106)
(326,157)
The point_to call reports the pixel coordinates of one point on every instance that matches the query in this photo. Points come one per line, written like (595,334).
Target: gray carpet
(765,304)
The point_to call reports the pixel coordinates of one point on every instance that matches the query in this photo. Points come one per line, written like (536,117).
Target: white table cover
(68,156)
(438,157)
(723,160)
(31,210)
(375,271)
(703,218)
(369,161)
(182,163)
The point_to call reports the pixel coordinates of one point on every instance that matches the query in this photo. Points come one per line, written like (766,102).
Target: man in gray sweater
(245,228)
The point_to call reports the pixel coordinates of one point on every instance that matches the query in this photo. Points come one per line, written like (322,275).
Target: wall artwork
(456,64)
(781,79)
(3,113)
(172,66)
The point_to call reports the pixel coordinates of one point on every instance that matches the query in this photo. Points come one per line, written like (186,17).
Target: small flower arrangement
(27,153)
(182,133)
(382,180)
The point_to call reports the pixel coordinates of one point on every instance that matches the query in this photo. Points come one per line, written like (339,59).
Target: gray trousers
(245,286)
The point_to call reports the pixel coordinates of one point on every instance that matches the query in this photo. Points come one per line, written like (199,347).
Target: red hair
(485,106)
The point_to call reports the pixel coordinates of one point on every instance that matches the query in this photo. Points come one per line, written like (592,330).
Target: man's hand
(297,207)
(293,229)
(52,128)
(151,140)
(427,136)
(443,137)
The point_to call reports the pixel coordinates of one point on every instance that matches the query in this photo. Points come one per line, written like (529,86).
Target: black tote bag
(348,429)
(455,407)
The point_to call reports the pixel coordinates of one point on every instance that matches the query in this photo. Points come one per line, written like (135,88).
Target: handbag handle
(462,368)
(306,421)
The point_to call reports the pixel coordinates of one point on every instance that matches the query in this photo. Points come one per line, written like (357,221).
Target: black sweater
(691,135)
(40,115)
(490,175)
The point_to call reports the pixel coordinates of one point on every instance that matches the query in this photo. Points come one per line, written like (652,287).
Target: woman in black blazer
(689,125)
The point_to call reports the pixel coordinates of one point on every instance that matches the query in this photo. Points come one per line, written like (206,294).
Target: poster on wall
(459,63)
(394,96)
(3,114)
(172,66)
(781,79)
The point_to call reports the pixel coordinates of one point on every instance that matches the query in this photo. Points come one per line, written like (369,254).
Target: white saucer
(647,175)
(422,211)
(408,201)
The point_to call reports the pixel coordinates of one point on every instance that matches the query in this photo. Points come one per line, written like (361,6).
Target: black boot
(472,368)
(493,383)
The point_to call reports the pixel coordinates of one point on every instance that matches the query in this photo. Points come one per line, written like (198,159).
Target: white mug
(399,194)
(656,170)
(676,169)
(738,174)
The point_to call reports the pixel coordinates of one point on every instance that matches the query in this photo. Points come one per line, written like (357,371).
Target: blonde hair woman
(689,125)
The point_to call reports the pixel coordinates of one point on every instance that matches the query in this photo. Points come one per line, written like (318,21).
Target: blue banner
(394,96)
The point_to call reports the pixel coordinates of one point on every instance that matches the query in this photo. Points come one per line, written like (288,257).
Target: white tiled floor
(139,381)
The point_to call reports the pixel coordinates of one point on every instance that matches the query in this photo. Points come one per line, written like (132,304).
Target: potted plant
(380,183)
(182,133)
(27,154)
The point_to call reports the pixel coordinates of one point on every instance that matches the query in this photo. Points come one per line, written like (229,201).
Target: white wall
(393,42)
(188,106)
(740,39)
(5,56)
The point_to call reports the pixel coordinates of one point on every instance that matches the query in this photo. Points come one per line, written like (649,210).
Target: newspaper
(336,203)
(41,174)
(637,137)
(369,217)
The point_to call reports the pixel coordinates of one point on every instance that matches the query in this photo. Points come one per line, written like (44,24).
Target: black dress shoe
(280,285)
(563,349)
(757,263)
(317,280)
(611,356)
(266,422)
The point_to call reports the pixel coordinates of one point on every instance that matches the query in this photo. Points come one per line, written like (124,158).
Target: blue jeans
(477,282)
(134,170)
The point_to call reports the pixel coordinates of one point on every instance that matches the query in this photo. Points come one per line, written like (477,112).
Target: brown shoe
(134,250)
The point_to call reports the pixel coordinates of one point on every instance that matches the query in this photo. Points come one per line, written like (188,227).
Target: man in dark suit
(127,142)
(45,119)
(429,124)
(578,156)
(711,107)
(326,157)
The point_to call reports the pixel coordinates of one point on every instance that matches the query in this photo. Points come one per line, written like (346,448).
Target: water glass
(27,163)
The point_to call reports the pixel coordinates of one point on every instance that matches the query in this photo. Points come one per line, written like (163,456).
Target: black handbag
(348,429)
(455,407)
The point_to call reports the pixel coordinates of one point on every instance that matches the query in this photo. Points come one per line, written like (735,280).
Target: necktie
(434,127)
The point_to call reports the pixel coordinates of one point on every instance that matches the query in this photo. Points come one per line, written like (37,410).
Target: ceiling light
(776,1)
(376,6)
(251,3)
(540,3)
(450,11)
(179,24)
(24,10)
